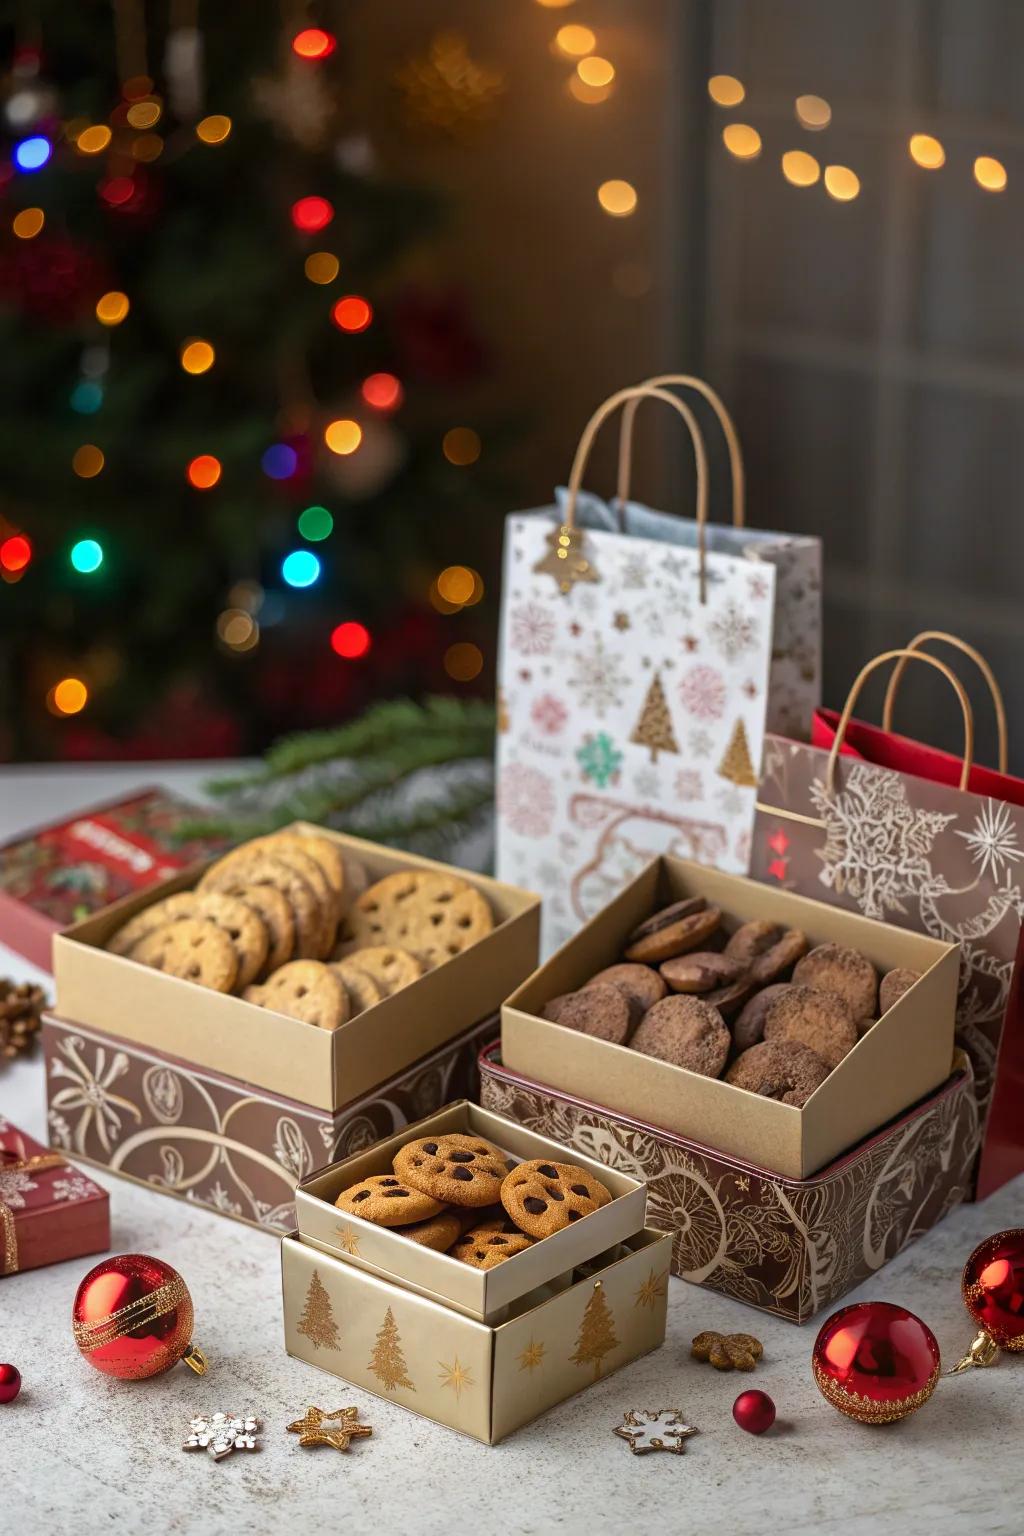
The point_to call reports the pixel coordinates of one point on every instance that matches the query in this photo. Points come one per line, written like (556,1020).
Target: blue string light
(301,568)
(32,154)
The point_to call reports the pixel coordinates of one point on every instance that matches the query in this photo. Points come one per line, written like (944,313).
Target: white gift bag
(635,673)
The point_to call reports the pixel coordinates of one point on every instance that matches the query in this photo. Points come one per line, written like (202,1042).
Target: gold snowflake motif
(531,1357)
(455,1376)
(348,1241)
(653,1288)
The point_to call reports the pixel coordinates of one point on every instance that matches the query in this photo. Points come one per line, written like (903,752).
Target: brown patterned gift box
(218,1142)
(788,1246)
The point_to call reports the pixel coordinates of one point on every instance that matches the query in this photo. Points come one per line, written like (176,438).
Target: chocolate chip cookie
(543,1197)
(303,989)
(388,1201)
(456,1169)
(779,1069)
(844,971)
(686,1031)
(439,1232)
(820,1020)
(237,872)
(672,931)
(193,949)
(245,928)
(490,1243)
(434,915)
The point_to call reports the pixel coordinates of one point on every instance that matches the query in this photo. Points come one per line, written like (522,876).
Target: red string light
(313,43)
(350,640)
(383,391)
(352,313)
(311,214)
(15,553)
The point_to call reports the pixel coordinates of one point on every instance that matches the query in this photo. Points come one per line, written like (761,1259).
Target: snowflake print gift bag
(918,851)
(633,679)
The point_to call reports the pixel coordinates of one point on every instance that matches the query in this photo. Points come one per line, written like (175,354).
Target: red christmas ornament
(10,1383)
(133,1318)
(754,1412)
(875,1362)
(993,1292)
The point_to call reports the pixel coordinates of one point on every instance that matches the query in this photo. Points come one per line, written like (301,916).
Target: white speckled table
(80,1453)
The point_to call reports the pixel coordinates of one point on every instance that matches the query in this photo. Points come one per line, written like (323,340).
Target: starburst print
(732,631)
(348,1241)
(531,1357)
(455,1376)
(531,629)
(653,1288)
(993,842)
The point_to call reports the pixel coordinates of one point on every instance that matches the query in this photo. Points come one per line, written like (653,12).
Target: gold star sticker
(565,560)
(531,1357)
(338,1428)
(348,1240)
(653,1288)
(455,1376)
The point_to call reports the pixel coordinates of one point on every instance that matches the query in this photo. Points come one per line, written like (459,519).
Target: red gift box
(57,875)
(49,1210)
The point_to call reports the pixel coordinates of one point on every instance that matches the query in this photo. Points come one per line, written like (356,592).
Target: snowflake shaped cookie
(221,1433)
(647,1431)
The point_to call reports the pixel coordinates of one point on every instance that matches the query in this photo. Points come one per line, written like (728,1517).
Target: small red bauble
(10,1383)
(754,1412)
(993,1290)
(133,1318)
(875,1362)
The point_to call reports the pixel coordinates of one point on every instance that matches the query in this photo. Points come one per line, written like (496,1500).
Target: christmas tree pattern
(736,764)
(317,1320)
(654,728)
(387,1361)
(597,1332)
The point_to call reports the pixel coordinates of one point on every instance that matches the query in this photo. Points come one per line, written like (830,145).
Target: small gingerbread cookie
(702,970)
(753,939)
(639,985)
(687,1032)
(194,949)
(434,915)
(303,989)
(490,1243)
(894,984)
(543,1197)
(457,1169)
(779,1069)
(748,1028)
(390,967)
(362,990)
(439,1232)
(388,1201)
(672,931)
(839,969)
(820,1020)
(601,1011)
(776,960)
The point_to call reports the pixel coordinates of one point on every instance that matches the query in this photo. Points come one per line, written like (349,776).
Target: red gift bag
(904,833)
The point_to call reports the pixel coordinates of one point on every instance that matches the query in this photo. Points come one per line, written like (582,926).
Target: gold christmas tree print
(387,1361)
(597,1332)
(317,1320)
(654,728)
(736,764)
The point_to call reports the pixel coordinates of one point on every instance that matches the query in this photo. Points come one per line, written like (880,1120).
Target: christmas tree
(597,1332)
(317,1320)
(654,728)
(230,494)
(736,764)
(387,1361)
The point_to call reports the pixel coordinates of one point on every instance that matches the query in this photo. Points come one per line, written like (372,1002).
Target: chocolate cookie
(729,1000)
(839,969)
(820,1020)
(490,1243)
(753,939)
(458,1169)
(303,989)
(701,971)
(749,1027)
(639,985)
(686,1031)
(672,931)
(543,1197)
(599,1010)
(552,1009)
(435,915)
(894,984)
(193,949)
(439,1232)
(779,1069)
(776,960)
(388,1201)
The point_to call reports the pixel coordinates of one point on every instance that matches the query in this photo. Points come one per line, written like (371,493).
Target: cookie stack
(462,1195)
(751,1001)
(291,925)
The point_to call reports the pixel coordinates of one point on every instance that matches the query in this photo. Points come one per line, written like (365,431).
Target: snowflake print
(549,714)
(732,631)
(701,743)
(634,571)
(676,567)
(993,841)
(526,800)
(532,629)
(599,679)
(647,784)
(75,1187)
(14,1186)
(599,761)
(702,692)
(730,800)
(689,784)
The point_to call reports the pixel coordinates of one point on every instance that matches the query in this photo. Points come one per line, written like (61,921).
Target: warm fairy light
(741,140)
(147,147)
(799,168)
(813,112)
(575,41)
(213,129)
(350,640)
(117,191)
(197,356)
(237,630)
(15,553)
(726,90)
(301,568)
(312,214)
(990,173)
(279,461)
(93,140)
(617,198)
(352,313)
(841,183)
(88,461)
(461,445)
(112,308)
(31,154)
(86,556)
(463,661)
(28,223)
(343,436)
(68,697)
(315,524)
(456,584)
(596,71)
(144,114)
(383,391)
(313,43)
(321,267)
(204,471)
(926,151)
(590,95)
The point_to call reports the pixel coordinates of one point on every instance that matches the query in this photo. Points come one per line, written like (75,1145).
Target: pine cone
(728,1351)
(20,1007)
